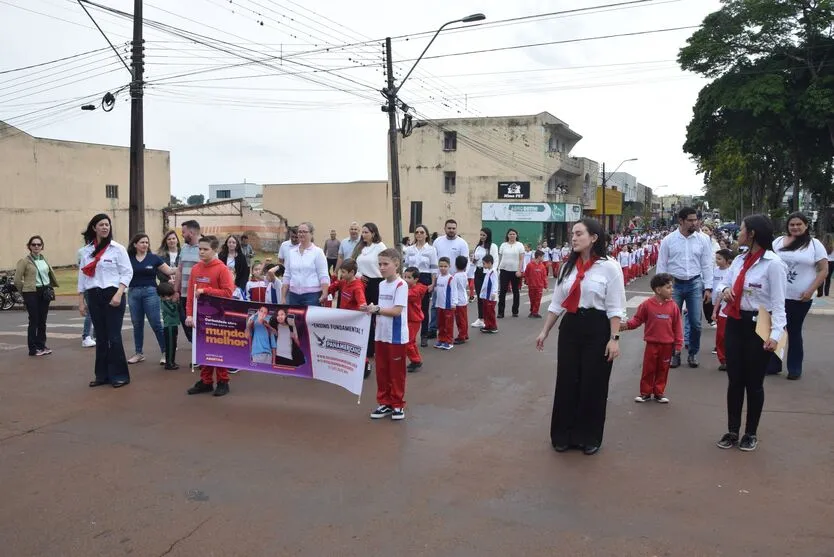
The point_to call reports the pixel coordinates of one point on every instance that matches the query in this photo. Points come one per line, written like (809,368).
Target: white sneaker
(478,324)
(88,342)
(136,358)
(661,399)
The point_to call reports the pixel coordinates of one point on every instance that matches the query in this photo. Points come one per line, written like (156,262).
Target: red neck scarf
(571,303)
(733,308)
(90,268)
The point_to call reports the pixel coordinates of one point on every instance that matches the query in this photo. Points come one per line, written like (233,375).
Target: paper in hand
(763,327)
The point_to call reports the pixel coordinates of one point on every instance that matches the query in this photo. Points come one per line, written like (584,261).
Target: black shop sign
(513,190)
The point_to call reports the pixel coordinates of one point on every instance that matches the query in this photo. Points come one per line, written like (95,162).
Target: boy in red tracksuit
(350,289)
(416,291)
(209,276)
(535,275)
(663,335)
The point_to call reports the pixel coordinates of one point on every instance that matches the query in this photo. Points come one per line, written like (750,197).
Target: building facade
(250,192)
(53,188)
(500,172)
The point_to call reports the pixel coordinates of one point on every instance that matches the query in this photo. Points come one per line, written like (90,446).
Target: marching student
(663,335)
(416,293)
(489,295)
(624,258)
(275,285)
(391,337)
(256,287)
(535,276)
(209,276)
(723,258)
(445,303)
(350,290)
(461,284)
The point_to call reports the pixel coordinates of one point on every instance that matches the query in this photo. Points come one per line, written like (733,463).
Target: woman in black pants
(33,277)
(366,254)
(756,278)
(510,269)
(421,254)
(485,247)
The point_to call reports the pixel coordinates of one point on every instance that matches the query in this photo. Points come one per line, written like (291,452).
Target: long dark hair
(163,247)
(131,249)
(762,229)
(90,233)
(598,249)
(799,242)
(487,244)
(224,251)
(375,239)
(507,235)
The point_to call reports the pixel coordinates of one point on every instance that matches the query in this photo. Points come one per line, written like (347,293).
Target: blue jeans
(795,311)
(433,316)
(309,299)
(144,301)
(692,294)
(88,330)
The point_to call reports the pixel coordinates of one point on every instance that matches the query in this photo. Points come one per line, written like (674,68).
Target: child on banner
(391,337)
(416,292)
(209,276)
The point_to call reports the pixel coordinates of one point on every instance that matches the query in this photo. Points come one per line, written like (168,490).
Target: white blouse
(801,265)
(510,260)
(424,259)
(602,289)
(480,252)
(764,285)
(368,261)
(114,268)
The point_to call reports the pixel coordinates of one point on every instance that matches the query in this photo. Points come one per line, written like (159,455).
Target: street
(286,466)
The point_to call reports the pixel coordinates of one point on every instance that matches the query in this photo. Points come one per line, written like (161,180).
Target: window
(416,215)
(449,182)
(224,194)
(111,192)
(450,141)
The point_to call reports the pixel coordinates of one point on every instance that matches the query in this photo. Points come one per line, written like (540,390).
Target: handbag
(48,293)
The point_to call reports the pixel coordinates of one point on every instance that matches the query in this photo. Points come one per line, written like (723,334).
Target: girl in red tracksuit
(416,292)
(663,335)
(535,275)
(212,277)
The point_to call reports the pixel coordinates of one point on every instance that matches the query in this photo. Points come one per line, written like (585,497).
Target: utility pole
(604,224)
(393,154)
(136,211)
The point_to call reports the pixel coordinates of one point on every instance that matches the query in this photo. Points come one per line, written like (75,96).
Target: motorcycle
(10,296)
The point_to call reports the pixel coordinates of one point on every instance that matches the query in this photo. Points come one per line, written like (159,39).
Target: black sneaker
(676,360)
(459,341)
(728,441)
(692,360)
(642,398)
(200,387)
(432,335)
(489,331)
(500,316)
(381,412)
(398,414)
(424,342)
(171,366)
(748,443)
(722,367)
(414,366)
(222,388)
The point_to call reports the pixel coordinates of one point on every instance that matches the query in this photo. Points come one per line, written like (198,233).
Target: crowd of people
(422,291)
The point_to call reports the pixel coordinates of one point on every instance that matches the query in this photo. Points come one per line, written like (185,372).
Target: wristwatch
(615,337)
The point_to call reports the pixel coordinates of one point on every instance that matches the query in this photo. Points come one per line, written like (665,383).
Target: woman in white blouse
(755,279)
(104,272)
(807,265)
(509,271)
(485,247)
(421,254)
(591,293)
(366,254)
(306,276)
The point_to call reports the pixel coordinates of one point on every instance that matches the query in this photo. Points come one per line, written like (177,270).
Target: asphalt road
(286,466)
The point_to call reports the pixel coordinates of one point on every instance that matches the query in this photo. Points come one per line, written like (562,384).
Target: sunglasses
(36,245)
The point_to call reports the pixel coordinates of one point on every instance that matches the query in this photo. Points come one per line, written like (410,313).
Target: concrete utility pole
(136,212)
(393,154)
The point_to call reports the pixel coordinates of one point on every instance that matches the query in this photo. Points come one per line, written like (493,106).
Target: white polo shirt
(393,330)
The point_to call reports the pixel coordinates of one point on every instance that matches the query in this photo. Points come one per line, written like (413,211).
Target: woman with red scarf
(755,279)
(104,273)
(590,292)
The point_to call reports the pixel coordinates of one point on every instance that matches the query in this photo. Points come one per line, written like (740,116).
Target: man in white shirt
(687,255)
(287,245)
(451,245)
(347,245)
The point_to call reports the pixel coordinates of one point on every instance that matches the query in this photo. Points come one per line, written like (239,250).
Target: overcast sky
(626,96)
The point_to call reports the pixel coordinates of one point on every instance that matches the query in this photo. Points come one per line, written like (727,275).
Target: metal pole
(604,224)
(136,211)
(393,155)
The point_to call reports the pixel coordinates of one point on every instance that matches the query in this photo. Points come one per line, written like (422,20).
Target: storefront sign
(531,212)
(513,190)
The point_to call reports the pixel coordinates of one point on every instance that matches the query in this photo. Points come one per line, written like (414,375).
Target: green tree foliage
(197,199)
(766,122)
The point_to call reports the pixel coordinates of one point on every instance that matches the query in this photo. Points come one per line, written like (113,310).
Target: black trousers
(111,364)
(582,374)
(38,308)
(479,282)
(425,278)
(171,333)
(746,365)
(372,297)
(187,329)
(505,280)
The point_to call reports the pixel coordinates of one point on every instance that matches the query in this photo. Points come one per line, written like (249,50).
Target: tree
(198,199)
(175,202)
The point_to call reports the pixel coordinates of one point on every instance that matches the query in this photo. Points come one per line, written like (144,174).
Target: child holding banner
(391,337)
(209,276)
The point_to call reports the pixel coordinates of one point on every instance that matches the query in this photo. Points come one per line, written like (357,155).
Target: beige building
(333,205)
(53,188)
(500,172)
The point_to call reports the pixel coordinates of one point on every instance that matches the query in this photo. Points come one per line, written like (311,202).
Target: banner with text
(318,343)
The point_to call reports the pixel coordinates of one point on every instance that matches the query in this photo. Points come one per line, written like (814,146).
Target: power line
(65,58)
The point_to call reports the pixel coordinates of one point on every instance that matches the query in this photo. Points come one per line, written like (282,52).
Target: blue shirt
(261,339)
(144,272)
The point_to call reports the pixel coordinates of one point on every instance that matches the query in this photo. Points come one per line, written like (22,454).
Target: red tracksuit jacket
(535,275)
(415,302)
(663,322)
(351,294)
(214,278)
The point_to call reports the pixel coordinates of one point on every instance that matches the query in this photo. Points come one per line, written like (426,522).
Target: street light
(604,181)
(390,94)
